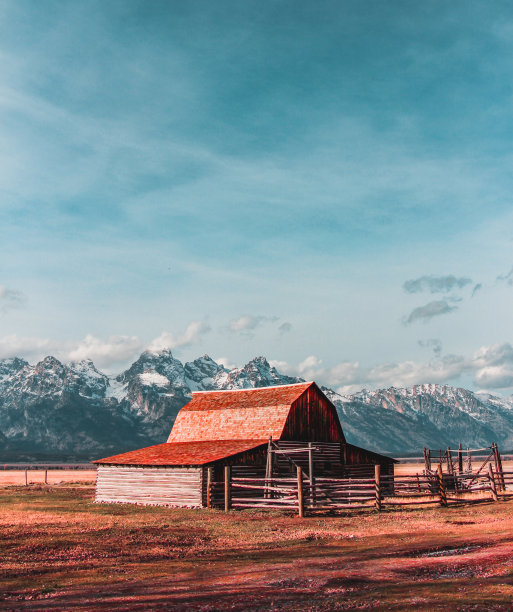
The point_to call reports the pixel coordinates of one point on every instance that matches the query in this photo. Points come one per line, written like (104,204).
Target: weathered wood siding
(313,418)
(172,486)
(326,459)
(360,462)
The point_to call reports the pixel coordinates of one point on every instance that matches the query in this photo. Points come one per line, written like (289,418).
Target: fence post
(377,486)
(300,499)
(227,488)
(46,476)
(493,488)
(500,472)
(26,478)
(311,473)
(441,486)
(210,478)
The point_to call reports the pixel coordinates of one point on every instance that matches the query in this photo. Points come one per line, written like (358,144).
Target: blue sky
(245,178)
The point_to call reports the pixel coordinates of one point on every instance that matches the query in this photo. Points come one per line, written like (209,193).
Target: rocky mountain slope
(74,411)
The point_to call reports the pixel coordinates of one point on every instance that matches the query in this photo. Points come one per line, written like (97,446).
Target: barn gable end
(313,418)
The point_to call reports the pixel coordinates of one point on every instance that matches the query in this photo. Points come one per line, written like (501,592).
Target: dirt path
(331,582)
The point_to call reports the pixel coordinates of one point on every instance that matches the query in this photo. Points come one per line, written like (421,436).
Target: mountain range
(56,411)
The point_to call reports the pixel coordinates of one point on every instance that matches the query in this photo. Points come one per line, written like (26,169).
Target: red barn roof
(183,453)
(243,414)
(218,424)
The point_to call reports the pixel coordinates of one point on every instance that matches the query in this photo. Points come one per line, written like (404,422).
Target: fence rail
(376,493)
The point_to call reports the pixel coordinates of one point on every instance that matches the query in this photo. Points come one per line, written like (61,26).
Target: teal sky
(325,183)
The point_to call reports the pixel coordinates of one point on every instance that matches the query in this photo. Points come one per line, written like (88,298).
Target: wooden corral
(267,433)
(456,465)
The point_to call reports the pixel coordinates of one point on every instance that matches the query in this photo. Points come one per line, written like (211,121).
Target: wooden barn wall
(173,486)
(356,456)
(255,457)
(313,418)
(326,459)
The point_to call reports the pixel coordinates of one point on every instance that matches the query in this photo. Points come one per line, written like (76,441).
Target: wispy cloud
(248,323)
(477,287)
(10,299)
(436,284)
(285,327)
(432,343)
(430,310)
(507,278)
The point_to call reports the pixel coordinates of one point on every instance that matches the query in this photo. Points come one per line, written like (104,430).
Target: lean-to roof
(183,453)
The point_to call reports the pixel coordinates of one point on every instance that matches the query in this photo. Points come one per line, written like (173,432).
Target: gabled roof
(243,414)
(183,453)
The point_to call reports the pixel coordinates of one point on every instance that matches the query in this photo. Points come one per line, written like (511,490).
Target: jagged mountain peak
(161,362)
(50,363)
(204,373)
(10,365)
(256,373)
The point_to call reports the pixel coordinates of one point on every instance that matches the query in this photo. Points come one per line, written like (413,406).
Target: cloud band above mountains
(490,367)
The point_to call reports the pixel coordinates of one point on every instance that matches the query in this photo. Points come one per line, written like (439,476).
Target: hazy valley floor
(61,551)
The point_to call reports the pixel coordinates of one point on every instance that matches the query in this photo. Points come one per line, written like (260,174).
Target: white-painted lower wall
(171,486)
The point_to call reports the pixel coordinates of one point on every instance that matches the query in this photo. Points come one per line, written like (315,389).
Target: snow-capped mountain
(436,416)
(55,410)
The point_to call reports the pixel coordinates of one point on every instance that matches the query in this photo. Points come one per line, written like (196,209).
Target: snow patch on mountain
(153,378)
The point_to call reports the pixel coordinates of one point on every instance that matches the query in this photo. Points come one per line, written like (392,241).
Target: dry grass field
(405,468)
(17,477)
(59,551)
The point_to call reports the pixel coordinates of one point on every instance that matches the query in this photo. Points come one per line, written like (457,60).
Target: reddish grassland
(61,551)
(17,477)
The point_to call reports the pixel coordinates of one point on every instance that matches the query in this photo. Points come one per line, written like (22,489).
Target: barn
(266,431)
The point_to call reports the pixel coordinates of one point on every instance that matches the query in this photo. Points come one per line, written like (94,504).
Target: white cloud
(495,377)
(28,347)
(10,299)
(496,354)
(115,349)
(227,363)
(349,377)
(493,366)
(310,367)
(192,335)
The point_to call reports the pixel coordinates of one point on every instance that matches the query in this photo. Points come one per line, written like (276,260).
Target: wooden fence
(382,491)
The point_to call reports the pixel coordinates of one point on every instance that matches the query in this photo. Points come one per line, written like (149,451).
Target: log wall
(167,486)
